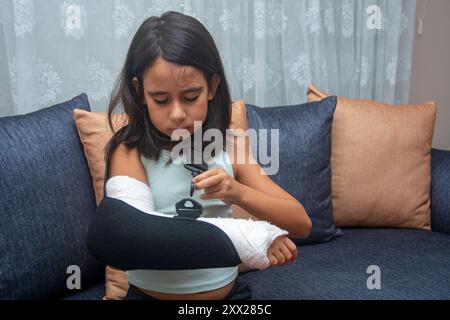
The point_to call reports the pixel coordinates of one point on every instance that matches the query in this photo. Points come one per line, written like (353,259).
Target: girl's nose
(177,113)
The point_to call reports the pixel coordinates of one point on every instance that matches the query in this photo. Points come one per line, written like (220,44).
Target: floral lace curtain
(52,50)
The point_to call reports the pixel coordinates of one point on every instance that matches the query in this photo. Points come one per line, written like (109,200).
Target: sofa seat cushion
(95,292)
(414,264)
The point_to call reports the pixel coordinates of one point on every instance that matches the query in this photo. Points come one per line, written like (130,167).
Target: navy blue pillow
(46,201)
(440,189)
(304,158)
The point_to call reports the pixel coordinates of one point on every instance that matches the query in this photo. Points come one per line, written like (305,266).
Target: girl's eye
(161,102)
(165,101)
(191,99)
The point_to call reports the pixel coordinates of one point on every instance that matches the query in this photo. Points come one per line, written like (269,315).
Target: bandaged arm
(251,239)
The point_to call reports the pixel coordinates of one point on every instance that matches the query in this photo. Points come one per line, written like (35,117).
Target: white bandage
(251,239)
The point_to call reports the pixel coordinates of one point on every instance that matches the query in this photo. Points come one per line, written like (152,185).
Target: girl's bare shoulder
(127,162)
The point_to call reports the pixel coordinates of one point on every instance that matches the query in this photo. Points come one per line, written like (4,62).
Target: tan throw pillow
(380,162)
(95,133)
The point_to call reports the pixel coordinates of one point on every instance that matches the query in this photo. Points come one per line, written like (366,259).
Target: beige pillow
(380,162)
(95,133)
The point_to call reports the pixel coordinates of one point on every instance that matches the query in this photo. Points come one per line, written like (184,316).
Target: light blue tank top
(169,185)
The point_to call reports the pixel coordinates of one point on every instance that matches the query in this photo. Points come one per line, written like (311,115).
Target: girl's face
(176,96)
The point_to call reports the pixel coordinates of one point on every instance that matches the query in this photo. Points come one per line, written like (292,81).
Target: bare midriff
(216,294)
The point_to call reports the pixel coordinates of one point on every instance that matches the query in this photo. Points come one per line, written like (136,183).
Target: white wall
(431,65)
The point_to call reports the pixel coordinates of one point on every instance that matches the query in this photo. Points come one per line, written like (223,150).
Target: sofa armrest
(440,191)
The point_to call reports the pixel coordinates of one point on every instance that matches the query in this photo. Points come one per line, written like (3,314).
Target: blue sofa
(47,199)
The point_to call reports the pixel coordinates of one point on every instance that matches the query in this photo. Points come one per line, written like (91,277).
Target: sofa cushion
(414,264)
(440,190)
(94,292)
(304,157)
(46,203)
(381,163)
(94,131)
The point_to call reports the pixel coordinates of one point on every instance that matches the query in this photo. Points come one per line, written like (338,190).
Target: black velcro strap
(126,238)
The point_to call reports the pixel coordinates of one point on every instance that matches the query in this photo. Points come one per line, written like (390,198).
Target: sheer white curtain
(52,50)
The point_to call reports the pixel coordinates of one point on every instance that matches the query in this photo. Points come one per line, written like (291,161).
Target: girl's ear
(213,87)
(135,82)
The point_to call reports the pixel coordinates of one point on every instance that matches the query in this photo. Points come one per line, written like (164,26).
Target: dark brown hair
(179,39)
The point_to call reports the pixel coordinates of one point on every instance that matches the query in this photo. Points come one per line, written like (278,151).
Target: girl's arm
(127,162)
(266,200)
(255,193)
(259,244)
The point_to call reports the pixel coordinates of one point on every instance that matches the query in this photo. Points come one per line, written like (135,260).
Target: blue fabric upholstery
(47,199)
(94,292)
(440,191)
(414,264)
(304,153)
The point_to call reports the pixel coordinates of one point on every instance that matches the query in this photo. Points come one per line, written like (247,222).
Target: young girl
(173,76)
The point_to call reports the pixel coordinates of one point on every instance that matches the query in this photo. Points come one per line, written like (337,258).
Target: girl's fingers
(280,257)
(288,242)
(209,196)
(208,182)
(291,247)
(213,189)
(294,255)
(272,260)
(286,253)
(206,174)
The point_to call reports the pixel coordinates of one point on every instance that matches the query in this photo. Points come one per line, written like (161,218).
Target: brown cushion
(380,162)
(95,133)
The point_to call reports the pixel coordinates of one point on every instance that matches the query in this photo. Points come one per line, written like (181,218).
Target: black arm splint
(126,238)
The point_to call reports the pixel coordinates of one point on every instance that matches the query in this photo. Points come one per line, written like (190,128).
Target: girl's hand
(281,251)
(218,184)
